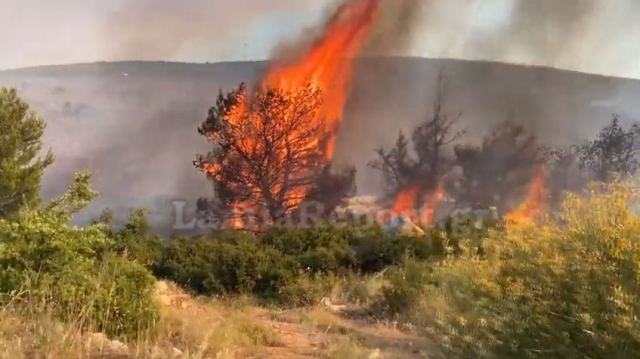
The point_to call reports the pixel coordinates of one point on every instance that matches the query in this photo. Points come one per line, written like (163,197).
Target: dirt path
(318,333)
(324,331)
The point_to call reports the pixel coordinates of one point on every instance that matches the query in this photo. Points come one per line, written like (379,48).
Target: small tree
(616,151)
(499,169)
(430,161)
(563,172)
(21,167)
(269,150)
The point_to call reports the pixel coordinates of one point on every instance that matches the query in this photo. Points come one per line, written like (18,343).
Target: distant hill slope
(134,123)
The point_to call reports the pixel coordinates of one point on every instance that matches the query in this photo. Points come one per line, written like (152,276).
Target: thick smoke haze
(586,35)
(166,29)
(134,124)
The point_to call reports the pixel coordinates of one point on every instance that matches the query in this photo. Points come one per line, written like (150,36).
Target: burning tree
(417,175)
(616,151)
(499,170)
(269,151)
(274,144)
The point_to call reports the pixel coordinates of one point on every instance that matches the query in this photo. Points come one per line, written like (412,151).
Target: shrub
(230,264)
(135,242)
(404,288)
(123,303)
(566,288)
(304,289)
(43,258)
(287,266)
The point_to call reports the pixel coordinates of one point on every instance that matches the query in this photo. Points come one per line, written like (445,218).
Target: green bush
(304,289)
(404,288)
(230,264)
(566,288)
(282,264)
(135,242)
(43,258)
(123,303)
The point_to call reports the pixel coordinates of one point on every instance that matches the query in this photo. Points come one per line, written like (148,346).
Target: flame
(431,204)
(535,202)
(329,64)
(328,67)
(408,200)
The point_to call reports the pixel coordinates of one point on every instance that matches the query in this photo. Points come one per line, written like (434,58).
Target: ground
(323,331)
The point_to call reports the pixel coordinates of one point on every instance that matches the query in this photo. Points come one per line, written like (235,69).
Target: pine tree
(21,163)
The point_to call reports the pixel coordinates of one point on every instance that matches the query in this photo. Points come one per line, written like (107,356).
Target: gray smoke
(585,35)
(135,124)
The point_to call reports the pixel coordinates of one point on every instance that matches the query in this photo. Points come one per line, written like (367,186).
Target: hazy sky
(600,36)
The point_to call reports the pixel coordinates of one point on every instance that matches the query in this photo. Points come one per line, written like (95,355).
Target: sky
(596,36)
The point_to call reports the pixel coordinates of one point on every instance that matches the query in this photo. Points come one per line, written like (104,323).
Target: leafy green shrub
(567,288)
(304,289)
(229,264)
(123,303)
(317,249)
(282,265)
(135,242)
(43,258)
(404,287)
(345,249)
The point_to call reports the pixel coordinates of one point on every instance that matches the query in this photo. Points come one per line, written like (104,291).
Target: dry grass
(347,347)
(321,319)
(188,328)
(202,328)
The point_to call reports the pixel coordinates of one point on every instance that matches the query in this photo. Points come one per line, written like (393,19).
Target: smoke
(138,132)
(572,34)
(396,28)
(584,35)
(202,29)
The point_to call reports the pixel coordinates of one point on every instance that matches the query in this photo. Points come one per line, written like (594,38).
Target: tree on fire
(615,152)
(269,152)
(430,140)
(501,168)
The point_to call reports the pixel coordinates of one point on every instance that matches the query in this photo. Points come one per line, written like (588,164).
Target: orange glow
(431,204)
(327,68)
(409,199)
(406,200)
(329,64)
(533,204)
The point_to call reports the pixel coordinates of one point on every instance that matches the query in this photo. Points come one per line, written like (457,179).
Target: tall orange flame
(535,202)
(329,64)
(408,200)
(431,204)
(327,67)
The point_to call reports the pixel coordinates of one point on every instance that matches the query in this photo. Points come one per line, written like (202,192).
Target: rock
(176,353)
(326,301)
(100,345)
(376,354)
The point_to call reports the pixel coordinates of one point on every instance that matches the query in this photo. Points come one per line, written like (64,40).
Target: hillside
(134,123)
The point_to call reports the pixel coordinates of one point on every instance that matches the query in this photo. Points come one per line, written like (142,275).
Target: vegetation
(615,152)
(431,159)
(285,266)
(499,169)
(283,162)
(565,288)
(73,270)
(20,145)
(71,273)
